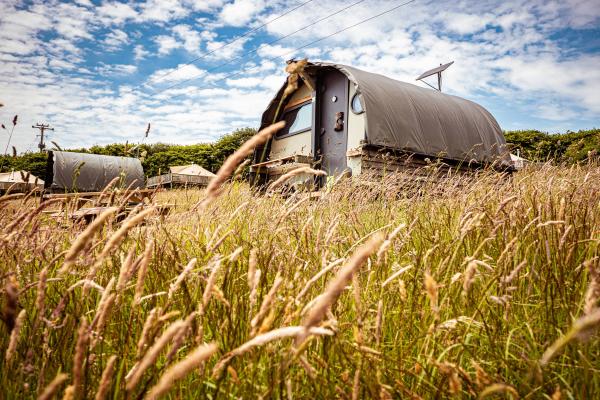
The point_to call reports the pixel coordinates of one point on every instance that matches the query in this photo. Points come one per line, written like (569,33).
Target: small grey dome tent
(342,112)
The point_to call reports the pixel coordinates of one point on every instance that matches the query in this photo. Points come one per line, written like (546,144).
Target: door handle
(339,121)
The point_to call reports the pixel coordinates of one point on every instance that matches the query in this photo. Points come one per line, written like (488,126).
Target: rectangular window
(297,120)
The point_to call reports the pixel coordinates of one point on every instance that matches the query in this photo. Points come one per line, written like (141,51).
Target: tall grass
(474,287)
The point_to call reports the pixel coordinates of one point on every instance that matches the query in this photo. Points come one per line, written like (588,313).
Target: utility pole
(42,128)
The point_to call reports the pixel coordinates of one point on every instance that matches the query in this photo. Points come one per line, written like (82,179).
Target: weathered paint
(291,146)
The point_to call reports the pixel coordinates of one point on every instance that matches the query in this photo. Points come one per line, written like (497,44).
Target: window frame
(297,106)
(357,96)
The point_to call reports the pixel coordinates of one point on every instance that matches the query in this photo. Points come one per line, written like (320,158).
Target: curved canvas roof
(92,172)
(192,169)
(422,121)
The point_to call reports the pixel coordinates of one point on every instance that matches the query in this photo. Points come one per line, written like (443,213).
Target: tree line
(534,145)
(156,158)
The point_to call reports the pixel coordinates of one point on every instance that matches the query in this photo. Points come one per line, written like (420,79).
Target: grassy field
(477,287)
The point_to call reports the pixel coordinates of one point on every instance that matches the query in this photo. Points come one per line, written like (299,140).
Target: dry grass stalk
(103,314)
(276,334)
(498,388)
(316,277)
(288,389)
(557,395)
(11,302)
(142,271)
(84,238)
(358,335)
(582,329)
(210,283)
(379,322)
(310,370)
(402,290)
(51,389)
(431,288)
(152,354)
(214,188)
(118,236)
(106,189)
(388,242)
(102,304)
(481,377)
(252,263)
(254,290)
(115,239)
(80,352)
(336,285)
(148,326)
(40,304)
(451,372)
(168,316)
(295,172)
(181,369)
(592,295)
(266,304)
(106,379)
(469,276)
(356,385)
(180,278)
(513,274)
(69,393)
(14,336)
(125,270)
(395,275)
(180,336)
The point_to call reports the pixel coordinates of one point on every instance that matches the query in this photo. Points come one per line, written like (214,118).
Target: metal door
(333,133)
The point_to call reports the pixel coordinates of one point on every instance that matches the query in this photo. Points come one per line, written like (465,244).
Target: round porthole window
(356,105)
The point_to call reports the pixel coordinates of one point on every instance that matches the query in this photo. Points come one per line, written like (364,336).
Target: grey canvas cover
(403,116)
(91,172)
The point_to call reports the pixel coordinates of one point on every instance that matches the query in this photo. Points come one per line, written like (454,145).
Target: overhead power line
(229,76)
(248,33)
(242,56)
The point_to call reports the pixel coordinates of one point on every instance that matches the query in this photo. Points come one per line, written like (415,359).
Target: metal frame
(295,107)
(434,71)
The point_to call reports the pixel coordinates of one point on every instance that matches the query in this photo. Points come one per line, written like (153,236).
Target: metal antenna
(42,128)
(434,71)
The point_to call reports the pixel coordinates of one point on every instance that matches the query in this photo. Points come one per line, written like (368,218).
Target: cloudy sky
(100,71)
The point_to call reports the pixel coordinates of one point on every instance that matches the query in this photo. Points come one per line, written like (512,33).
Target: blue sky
(100,71)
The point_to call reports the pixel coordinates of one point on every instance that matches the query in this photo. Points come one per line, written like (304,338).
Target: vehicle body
(347,121)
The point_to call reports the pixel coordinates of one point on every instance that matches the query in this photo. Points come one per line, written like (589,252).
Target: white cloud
(115,39)
(116,12)
(225,49)
(162,10)
(464,24)
(183,37)
(204,5)
(191,39)
(139,53)
(240,12)
(116,69)
(250,82)
(179,73)
(166,44)
(72,21)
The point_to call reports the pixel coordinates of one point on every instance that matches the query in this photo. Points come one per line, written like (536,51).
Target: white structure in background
(19,181)
(183,175)
(517,161)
